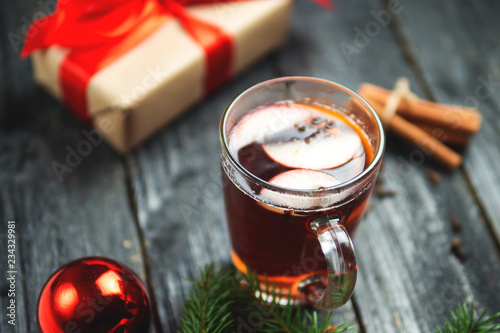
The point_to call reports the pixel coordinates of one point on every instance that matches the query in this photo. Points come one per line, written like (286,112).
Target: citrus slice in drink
(267,121)
(304,179)
(298,179)
(316,143)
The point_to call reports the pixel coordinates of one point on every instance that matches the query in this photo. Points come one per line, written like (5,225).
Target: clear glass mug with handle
(298,237)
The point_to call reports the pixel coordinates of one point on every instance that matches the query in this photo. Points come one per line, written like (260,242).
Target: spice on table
(380,191)
(421,122)
(433,176)
(456,225)
(456,248)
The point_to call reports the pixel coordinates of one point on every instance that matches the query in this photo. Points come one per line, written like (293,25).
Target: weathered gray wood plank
(409,280)
(88,213)
(464,69)
(411,237)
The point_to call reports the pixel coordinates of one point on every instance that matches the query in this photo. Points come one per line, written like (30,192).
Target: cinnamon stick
(403,128)
(446,135)
(454,117)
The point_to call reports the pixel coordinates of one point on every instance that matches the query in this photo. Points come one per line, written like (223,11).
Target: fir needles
(208,308)
(463,321)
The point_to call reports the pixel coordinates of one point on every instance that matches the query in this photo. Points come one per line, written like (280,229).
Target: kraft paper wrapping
(163,76)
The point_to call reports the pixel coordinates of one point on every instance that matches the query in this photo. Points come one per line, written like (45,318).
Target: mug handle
(341,263)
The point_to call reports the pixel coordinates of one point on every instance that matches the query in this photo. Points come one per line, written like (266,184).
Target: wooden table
(159,209)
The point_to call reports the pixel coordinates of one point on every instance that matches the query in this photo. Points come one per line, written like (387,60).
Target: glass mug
(297,239)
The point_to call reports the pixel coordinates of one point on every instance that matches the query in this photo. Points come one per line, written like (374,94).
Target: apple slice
(298,179)
(317,144)
(304,179)
(266,121)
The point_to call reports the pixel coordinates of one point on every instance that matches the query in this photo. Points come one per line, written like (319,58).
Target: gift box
(129,68)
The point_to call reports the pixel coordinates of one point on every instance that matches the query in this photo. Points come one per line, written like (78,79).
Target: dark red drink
(299,147)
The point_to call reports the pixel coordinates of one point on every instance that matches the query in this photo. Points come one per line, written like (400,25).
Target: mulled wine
(301,147)
(300,157)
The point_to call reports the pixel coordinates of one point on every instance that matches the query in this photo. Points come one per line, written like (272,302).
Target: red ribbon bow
(97,32)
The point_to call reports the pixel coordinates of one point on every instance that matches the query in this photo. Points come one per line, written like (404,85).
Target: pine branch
(208,309)
(463,322)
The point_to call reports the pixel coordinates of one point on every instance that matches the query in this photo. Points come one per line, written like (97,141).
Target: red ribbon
(97,32)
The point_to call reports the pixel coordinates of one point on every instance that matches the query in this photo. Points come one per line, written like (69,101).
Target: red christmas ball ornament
(95,295)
